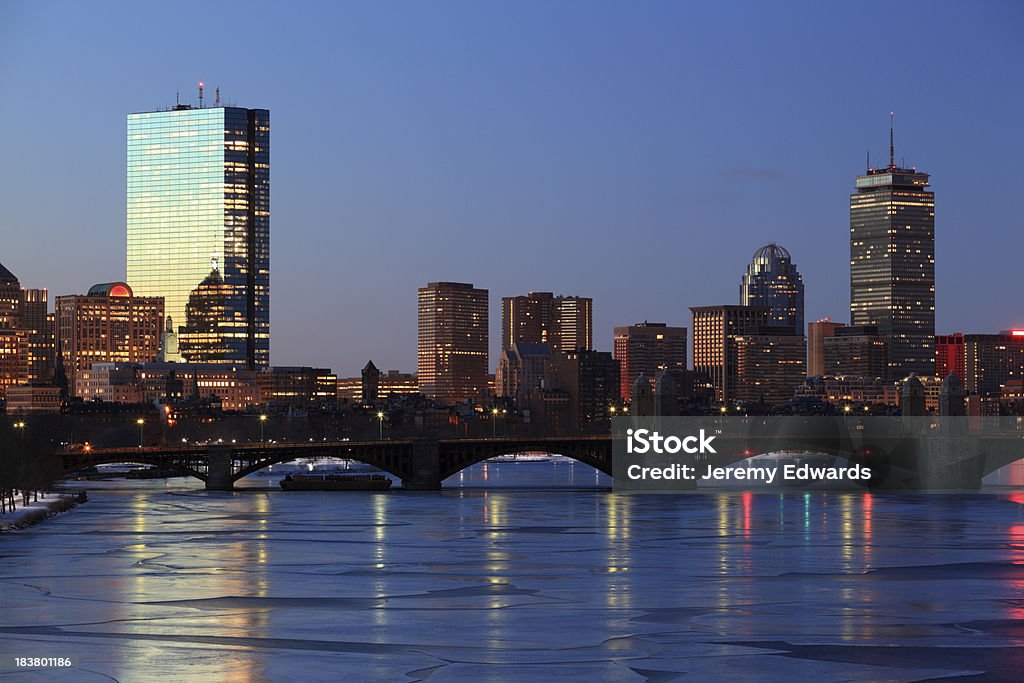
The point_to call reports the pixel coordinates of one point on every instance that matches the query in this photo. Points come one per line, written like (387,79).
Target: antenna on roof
(200,94)
(869,160)
(218,96)
(177,98)
(892,149)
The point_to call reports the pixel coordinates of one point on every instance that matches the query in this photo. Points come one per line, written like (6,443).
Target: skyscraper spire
(892,148)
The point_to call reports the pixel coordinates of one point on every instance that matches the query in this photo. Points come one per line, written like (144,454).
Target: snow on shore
(47,505)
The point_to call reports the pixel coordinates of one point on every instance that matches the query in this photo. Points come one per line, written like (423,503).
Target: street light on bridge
(20,426)
(263,421)
(380,423)
(141,422)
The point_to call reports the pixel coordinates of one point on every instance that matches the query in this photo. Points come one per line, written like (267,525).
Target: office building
(580,389)
(950,355)
(565,323)
(452,342)
(521,369)
(892,264)
(843,390)
(771,362)
(234,389)
(301,388)
(772,280)
(388,385)
(110,324)
(857,351)
(648,349)
(715,329)
(199,189)
(993,361)
(817,333)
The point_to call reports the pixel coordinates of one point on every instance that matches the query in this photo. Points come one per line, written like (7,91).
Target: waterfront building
(109,324)
(771,362)
(579,390)
(565,323)
(892,264)
(452,343)
(648,349)
(715,329)
(199,189)
(772,280)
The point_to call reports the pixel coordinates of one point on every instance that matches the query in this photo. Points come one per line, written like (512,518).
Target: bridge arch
(456,455)
(384,464)
(142,459)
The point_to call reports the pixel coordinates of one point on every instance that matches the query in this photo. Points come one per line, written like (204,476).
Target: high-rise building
(892,264)
(565,323)
(199,189)
(11,342)
(772,280)
(856,351)
(771,362)
(10,298)
(26,334)
(108,325)
(648,349)
(452,342)
(950,355)
(817,333)
(992,361)
(715,329)
(37,324)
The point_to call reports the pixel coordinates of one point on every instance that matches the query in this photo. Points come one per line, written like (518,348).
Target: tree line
(28,466)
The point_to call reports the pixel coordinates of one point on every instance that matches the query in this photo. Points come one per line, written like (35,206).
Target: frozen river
(525,571)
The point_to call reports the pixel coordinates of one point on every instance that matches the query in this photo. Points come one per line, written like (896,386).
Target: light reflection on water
(517,568)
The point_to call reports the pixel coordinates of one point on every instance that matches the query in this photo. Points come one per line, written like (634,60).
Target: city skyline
(745,169)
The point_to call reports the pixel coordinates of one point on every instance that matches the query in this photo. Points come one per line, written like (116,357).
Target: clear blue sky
(634,152)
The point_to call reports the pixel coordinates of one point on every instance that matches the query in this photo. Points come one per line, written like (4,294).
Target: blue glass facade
(198,191)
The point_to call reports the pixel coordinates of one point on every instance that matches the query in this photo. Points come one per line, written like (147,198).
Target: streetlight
(494,422)
(141,422)
(263,421)
(380,423)
(20,426)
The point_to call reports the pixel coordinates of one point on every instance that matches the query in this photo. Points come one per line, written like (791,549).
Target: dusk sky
(637,153)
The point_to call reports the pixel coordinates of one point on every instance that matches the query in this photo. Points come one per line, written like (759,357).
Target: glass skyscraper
(199,192)
(892,264)
(772,280)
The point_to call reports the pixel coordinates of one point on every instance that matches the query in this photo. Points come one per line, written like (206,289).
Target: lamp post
(494,423)
(20,426)
(380,423)
(141,422)
(263,421)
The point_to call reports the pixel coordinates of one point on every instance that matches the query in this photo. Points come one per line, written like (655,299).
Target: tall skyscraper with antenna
(199,190)
(892,263)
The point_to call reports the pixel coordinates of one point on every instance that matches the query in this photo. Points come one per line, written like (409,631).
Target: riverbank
(48,505)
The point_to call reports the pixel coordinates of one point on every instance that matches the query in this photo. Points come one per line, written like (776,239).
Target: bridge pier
(219,475)
(425,467)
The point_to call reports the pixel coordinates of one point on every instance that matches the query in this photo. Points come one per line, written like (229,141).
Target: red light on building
(1017,333)
(119,290)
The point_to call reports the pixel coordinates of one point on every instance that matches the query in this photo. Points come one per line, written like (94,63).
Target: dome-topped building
(210,335)
(772,280)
